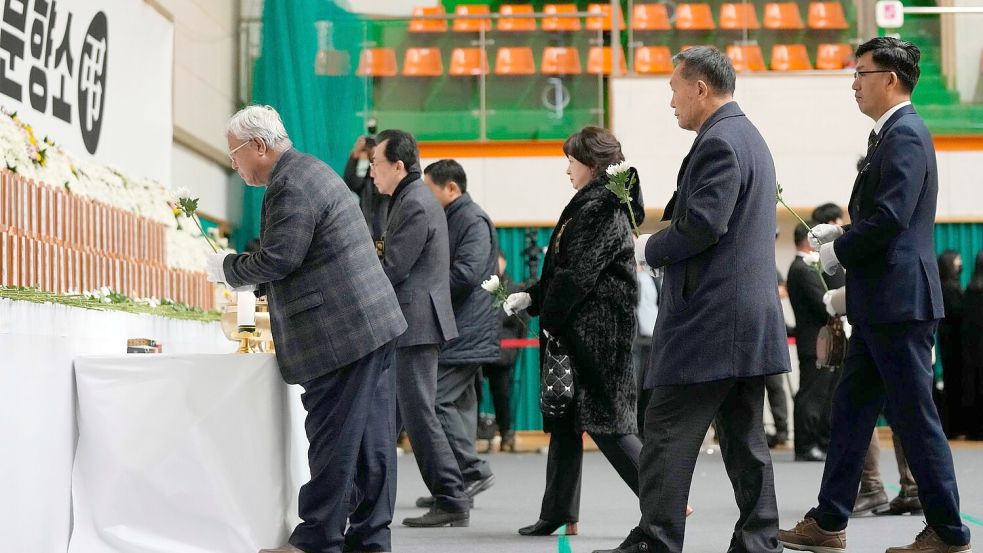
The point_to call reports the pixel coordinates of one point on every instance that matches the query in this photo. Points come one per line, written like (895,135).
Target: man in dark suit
(417,260)
(894,302)
(473,259)
(812,401)
(335,320)
(720,329)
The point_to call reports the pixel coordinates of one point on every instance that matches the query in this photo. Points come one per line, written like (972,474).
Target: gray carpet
(609,510)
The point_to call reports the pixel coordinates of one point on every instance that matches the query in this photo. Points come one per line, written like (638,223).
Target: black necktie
(871,142)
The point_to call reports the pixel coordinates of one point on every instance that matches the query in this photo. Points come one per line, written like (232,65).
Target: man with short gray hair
(720,330)
(335,320)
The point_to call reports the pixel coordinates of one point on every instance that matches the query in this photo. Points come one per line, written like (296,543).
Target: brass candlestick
(244,334)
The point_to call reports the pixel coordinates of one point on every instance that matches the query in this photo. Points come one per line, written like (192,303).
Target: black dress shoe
(868,501)
(636,542)
(777,439)
(475,487)
(813,454)
(428,501)
(547,527)
(901,505)
(437,517)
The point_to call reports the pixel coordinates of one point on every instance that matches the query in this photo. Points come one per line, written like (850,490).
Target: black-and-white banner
(94,76)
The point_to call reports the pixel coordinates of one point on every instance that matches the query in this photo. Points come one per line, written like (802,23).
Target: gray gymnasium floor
(609,510)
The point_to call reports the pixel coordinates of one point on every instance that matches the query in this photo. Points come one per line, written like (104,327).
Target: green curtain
(321,113)
(967,239)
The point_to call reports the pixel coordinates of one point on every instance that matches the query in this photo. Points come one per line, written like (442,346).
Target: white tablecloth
(181,453)
(37,406)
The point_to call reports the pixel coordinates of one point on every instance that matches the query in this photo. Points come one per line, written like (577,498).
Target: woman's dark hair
(976,283)
(947,267)
(595,147)
(895,55)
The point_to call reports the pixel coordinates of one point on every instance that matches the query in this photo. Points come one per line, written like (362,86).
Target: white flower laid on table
(621,178)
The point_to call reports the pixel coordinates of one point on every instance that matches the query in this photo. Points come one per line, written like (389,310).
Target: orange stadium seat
(471,25)
(560,60)
(827,16)
(833,56)
(466,62)
(377,62)
(422,62)
(650,17)
(602,22)
(560,23)
(428,25)
(515,61)
(513,24)
(782,16)
(599,61)
(653,60)
(746,57)
(694,17)
(738,16)
(789,57)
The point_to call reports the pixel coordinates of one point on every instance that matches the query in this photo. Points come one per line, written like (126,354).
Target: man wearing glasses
(416,257)
(894,302)
(335,321)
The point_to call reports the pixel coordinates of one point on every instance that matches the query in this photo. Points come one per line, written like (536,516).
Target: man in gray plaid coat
(335,320)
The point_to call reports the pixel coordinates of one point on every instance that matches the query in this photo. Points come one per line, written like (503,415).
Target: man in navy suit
(720,330)
(894,303)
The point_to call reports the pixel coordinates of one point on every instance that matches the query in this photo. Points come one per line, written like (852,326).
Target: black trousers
(564,465)
(676,422)
(350,427)
(775,384)
(416,393)
(500,383)
(812,405)
(892,363)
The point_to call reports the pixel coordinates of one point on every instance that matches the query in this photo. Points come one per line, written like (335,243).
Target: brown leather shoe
(927,541)
(901,505)
(808,536)
(868,502)
(285,548)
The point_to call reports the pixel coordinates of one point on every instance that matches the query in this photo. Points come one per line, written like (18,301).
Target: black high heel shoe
(546,528)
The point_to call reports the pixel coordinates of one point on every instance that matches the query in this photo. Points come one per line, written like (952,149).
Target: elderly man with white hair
(335,318)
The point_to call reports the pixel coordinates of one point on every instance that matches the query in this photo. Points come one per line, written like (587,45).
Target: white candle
(246,309)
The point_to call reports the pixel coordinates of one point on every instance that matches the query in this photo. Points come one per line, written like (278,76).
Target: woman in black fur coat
(586,297)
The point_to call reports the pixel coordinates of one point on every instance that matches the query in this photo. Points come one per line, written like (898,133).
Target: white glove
(214,266)
(640,243)
(245,288)
(835,301)
(824,234)
(827,258)
(517,302)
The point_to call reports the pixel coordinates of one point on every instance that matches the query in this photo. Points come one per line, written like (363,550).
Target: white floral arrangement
(45,161)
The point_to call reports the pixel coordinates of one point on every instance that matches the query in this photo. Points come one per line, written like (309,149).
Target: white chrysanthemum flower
(616,168)
(811,258)
(491,285)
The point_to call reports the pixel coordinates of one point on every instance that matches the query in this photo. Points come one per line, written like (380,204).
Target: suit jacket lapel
(858,184)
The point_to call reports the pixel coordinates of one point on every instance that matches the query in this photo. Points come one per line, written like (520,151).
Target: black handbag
(556,380)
